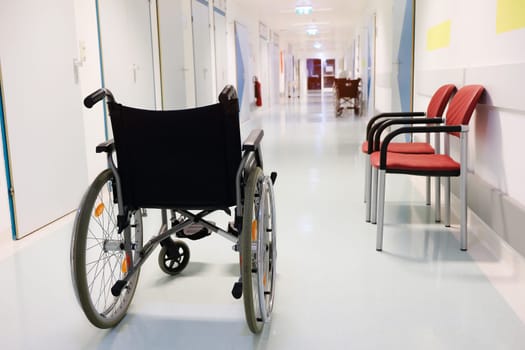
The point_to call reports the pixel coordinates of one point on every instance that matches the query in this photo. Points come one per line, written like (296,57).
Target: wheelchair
(214,174)
(347,95)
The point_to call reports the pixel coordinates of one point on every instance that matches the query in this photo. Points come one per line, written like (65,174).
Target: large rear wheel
(98,257)
(258,250)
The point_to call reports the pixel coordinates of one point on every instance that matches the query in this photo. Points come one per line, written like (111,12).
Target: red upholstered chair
(458,116)
(435,109)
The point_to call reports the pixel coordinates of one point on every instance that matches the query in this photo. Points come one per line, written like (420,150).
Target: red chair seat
(405,147)
(417,163)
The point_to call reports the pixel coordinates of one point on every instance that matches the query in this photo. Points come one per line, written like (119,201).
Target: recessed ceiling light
(312,31)
(317,46)
(303,10)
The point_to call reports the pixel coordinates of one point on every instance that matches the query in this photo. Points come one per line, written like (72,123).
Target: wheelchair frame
(253,235)
(347,95)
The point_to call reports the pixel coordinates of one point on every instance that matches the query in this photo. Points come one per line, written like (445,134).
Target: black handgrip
(97,96)
(227,94)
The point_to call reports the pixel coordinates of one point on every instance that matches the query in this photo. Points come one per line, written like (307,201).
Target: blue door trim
(103,83)
(7,167)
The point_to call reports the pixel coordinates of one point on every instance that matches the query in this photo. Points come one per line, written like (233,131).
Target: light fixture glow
(317,46)
(303,10)
(312,31)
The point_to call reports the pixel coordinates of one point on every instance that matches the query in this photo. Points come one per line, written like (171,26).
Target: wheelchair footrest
(194,232)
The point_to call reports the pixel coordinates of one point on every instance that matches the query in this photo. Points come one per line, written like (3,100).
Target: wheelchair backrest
(178,159)
(347,87)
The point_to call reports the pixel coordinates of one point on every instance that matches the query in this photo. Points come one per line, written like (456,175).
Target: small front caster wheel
(174,258)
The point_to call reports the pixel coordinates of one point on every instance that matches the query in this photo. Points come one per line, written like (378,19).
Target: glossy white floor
(334,290)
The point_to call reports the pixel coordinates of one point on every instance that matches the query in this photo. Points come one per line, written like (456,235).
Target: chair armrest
(253,140)
(413,130)
(378,130)
(391,115)
(108,147)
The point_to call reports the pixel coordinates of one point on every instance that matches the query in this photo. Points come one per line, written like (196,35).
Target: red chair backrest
(463,104)
(439,101)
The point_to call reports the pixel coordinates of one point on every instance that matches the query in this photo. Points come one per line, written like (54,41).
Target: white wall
(478,55)
(382,90)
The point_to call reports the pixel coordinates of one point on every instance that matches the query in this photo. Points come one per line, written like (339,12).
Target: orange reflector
(254,230)
(125,263)
(265,279)
(99,209)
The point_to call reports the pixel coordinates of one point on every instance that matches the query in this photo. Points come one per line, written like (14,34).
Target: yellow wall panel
(439,36)
(510,15)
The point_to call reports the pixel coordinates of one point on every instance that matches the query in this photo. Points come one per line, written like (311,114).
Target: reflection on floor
(334,290)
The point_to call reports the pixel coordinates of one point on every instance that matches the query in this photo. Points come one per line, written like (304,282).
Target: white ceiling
(335,20)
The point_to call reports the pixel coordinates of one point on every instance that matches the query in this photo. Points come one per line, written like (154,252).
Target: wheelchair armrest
(253,140)
(108,147)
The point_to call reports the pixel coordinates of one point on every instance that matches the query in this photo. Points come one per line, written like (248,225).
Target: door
(275,70)
(369,48)
(329,73)
(313,65)
(221,59)
(176,53)
(202,53)
(6,201)
(42,111)
(127,56)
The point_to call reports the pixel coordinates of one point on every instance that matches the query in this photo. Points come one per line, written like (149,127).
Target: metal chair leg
(447,201)
(373,199)
(367,180)
(463,193)
(380,211)
(428,191)
(368,189)
(437,200)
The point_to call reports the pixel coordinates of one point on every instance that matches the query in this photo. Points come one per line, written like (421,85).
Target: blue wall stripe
(7,167)
(404,78)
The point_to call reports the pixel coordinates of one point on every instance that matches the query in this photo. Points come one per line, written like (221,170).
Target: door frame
(7,162)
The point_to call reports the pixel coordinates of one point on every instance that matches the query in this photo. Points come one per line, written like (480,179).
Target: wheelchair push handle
(228,93)
(98,95)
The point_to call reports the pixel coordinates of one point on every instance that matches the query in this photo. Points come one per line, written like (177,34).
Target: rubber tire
(170,270)
(248,289)
(78,258)
(268,248)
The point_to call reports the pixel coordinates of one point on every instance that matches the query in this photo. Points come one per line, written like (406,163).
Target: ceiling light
(312,31)
(317,46)
(303,10)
